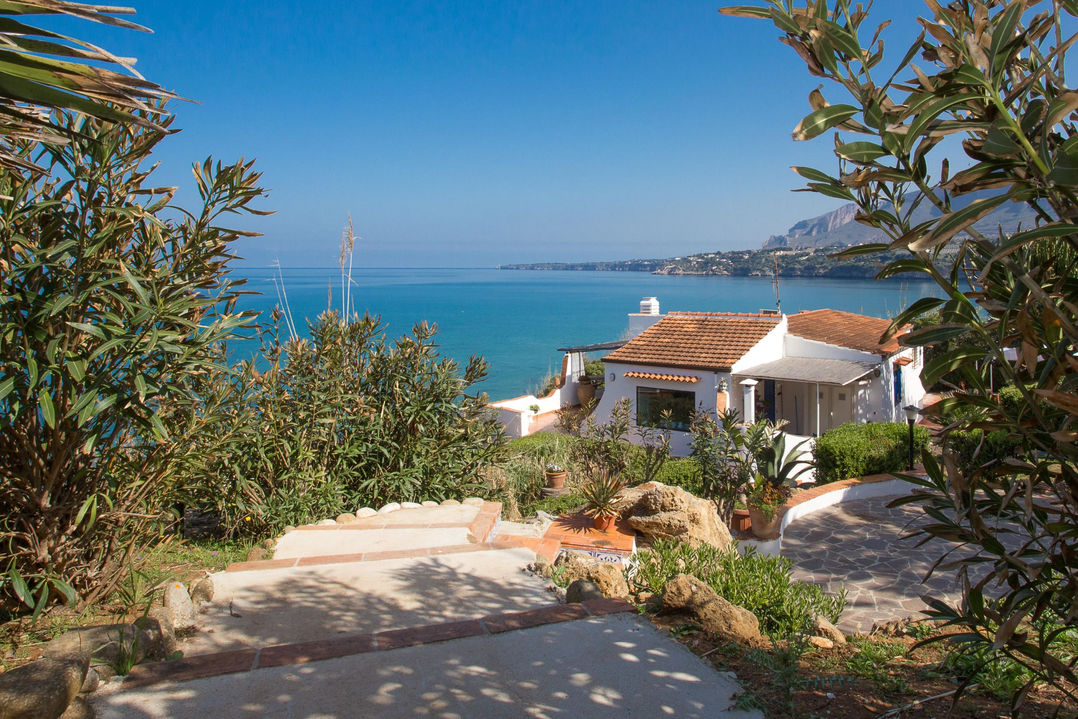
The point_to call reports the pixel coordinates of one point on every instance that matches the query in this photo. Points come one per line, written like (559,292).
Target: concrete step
(264,607)
(608,664)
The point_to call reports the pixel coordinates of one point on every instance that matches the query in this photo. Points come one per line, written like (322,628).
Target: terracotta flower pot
(555,480)
(741,521)
(603,522)
(763,527)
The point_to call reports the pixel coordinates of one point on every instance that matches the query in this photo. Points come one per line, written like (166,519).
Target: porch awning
(806,369)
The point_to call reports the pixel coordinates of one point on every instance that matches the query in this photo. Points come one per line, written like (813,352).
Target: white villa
(815,369)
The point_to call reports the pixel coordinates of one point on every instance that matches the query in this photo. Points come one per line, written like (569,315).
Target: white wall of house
(517,416)
(705,391)
(772,347)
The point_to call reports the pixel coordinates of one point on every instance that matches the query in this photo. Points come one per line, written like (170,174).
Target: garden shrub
(763,585)
(973,448)
(343,420)
(855,450)
(110,314)
(684,473)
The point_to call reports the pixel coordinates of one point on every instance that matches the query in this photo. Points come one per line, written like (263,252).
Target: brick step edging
(244,660)
(325,559)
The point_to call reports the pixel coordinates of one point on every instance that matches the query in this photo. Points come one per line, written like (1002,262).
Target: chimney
(648,315)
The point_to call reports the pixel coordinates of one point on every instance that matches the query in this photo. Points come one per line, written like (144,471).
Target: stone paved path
(858,545)
(418,611)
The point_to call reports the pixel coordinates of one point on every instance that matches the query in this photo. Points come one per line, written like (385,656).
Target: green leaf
(91,329)
(65,590)
(48,411)
(89,506)
(812,174)
(1006,22)
(838,192)
(6,386)
(843,40)
(22,590)
(822,120)
(861,152)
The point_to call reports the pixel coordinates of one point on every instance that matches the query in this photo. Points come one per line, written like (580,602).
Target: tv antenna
(775,281)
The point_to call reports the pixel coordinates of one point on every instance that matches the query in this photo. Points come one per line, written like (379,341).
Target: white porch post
(748,400)
(817,409)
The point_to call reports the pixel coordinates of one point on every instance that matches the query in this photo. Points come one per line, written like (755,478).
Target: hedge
(856,450)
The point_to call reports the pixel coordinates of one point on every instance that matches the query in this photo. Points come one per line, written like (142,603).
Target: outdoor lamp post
(911,418)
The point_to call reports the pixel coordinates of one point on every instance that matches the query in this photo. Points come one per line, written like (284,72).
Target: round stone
(391,507)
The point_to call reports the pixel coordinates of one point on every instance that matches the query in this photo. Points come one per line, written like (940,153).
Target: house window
(651,403)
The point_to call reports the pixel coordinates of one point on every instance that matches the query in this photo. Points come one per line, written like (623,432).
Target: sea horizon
(517,319)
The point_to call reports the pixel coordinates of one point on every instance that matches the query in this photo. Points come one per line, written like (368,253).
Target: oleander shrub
(111,314)
(344,419)
(763,585)
(856,450)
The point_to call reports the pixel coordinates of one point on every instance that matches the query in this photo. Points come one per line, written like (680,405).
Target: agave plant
(601,493)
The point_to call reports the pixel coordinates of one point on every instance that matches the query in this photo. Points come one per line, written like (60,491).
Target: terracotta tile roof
(666,377)
(844,329)
(903,361)
(712,341)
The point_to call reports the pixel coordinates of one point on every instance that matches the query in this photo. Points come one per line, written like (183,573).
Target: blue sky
(485,132)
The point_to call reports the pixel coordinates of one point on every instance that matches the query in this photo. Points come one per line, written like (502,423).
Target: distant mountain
(840,229)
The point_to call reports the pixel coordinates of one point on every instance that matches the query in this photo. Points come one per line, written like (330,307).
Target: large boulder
(41,689)
(102,644)
(715,615)
(607,576)
(659,511)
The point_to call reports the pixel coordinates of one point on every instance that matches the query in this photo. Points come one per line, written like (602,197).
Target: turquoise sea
(517,319)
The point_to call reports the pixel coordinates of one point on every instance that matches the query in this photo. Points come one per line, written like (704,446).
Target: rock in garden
(661,512)
(269,544)
(162,634)
(202,591)
(366,512)
(41,689)
(180,609)
(79,708)
(428,503)
(581,591)
(102,644)
(821,627)
(326,523)
(541,568)
(473,501)
(820,642)
(410,505)
(90,682)
(345,518)
(715,615)
(450,502)
(256,554)
(289,528)
(387,508)
(608,576)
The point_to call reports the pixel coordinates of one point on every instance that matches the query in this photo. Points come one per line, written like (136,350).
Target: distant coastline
(806,263)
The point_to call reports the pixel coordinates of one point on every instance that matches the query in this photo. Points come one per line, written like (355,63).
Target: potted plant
(533,408)
(776,472)
(601,495)
(741,521)
(555,476)
(765,500)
